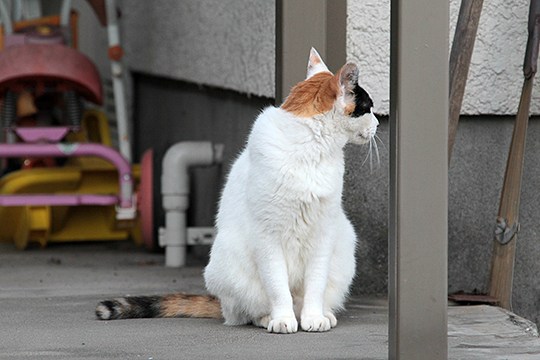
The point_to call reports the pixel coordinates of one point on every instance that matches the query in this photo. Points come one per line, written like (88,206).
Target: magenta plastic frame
(125,178)
(33,135)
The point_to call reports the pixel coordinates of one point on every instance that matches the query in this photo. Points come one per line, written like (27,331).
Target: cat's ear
(348,76)
(315,64)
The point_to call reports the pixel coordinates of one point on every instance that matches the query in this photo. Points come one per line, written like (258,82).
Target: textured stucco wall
(230,44)
(93,39)
(495,75)
(223,43)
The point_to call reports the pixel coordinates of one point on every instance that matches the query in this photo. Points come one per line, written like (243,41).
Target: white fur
(284,249)
(103,312)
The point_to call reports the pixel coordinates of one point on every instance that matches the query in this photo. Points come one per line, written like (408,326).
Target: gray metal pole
(300,25)
(418,180)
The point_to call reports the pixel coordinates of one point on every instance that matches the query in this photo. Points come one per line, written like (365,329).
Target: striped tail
(175,305)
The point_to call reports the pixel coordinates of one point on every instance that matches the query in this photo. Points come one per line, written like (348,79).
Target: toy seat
(49,66)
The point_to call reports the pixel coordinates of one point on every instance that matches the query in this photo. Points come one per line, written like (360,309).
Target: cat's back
(275,132)
(246,167)
(278,145)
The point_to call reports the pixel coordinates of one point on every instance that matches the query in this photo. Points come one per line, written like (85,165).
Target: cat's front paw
(332,318)
(283,325)
(315,323)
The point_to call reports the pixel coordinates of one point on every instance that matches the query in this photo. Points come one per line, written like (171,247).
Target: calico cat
(284,249)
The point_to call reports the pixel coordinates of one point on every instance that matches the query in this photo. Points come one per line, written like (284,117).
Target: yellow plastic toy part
(86,175)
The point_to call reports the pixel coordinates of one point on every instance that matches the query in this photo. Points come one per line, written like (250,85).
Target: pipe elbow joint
(180,157)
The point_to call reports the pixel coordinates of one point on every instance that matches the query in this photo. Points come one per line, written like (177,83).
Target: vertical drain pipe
(175,193)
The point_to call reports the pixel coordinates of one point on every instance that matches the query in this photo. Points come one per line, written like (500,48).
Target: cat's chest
(308,200)
(315,181)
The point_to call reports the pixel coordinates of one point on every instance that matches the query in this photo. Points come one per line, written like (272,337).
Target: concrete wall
(476,176)
(92,37)
(168,111)
(230,44)
(225,43)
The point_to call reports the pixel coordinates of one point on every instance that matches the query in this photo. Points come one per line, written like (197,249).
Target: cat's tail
(174,305)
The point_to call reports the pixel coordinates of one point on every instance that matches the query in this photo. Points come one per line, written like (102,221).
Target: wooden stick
(504,244)
(502,263)
(460,59)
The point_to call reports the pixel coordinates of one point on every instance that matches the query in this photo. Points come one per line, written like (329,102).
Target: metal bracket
(200,235)
(504,233)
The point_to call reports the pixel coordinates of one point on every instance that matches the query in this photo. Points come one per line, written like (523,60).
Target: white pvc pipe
(175,192)
(175,237)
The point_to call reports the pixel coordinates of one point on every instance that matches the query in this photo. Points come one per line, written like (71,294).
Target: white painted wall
(230,44)
(93,37)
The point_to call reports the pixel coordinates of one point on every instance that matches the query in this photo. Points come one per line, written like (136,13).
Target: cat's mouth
(368,130)
(369,133)
(366,136)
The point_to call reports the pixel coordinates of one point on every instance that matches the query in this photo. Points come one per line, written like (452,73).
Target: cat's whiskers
(373,153)
(376,151)
(377,137)
(368,156)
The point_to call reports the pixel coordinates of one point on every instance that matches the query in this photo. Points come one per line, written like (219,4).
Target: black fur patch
(131,307)
(362,100)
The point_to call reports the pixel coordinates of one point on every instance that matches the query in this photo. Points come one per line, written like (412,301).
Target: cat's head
(338,97)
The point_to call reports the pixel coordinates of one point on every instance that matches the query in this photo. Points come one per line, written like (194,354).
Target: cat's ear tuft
(315,64)
(348,76)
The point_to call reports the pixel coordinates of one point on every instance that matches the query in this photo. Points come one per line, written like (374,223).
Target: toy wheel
(145,199)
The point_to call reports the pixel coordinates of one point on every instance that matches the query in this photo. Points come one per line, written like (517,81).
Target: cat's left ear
(348,76)
(315,64)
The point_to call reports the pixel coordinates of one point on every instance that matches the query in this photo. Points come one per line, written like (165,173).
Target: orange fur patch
(197,306)
(313,96)
(349,108)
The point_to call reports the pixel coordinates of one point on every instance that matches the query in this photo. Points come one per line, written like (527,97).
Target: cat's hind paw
(284,325)
(316,323)
(262,321)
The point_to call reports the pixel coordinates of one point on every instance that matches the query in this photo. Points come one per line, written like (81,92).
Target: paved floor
(47,299)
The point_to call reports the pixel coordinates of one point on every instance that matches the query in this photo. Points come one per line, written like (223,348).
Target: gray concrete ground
(47,300)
